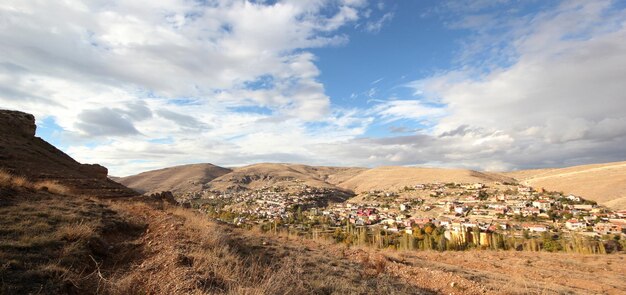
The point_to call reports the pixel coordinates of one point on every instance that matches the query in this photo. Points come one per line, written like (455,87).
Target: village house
(604,228)
(575,224)
(528,211)
(583,207)
(542,205)
(540,228)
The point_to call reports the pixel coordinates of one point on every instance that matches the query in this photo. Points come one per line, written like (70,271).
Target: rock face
(24,154)
(18,123)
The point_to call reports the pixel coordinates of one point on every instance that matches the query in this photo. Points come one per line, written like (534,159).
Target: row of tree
(433,238)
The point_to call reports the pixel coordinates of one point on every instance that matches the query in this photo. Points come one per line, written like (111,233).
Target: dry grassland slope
(178,180)
(603,183)
(398,177)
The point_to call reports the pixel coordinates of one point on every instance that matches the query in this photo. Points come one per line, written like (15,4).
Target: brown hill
(24,154)
(267,174)
(281,174)
(178,179)
(603,183)
(397,177)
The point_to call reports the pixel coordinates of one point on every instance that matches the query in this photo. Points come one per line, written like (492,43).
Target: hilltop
(277,174)
(604,183)
(383,178)
(178,179)
(257,176)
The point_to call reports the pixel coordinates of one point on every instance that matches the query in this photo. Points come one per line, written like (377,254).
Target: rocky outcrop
(18,123)
(96,170)
(22,153)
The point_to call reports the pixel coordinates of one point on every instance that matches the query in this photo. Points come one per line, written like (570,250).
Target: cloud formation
(142,86)
(564,91)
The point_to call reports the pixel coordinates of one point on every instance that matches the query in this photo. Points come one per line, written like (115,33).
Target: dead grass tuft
(20,181)
(5,178)
(76,232)
(9,180)
(51,186)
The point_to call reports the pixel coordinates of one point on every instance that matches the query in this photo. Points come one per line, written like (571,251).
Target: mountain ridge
(358,179)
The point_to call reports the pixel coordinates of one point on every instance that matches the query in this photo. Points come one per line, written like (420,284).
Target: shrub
(52,186)
(76,232)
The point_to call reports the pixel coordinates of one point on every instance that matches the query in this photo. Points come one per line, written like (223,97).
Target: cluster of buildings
(458,207)
(271,202)
(455,206)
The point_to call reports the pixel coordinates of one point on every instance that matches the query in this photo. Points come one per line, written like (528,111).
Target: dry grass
(603,183)
(51,186)
(9,180)
(50,244)
(76,231)
(54,244)
(185,253)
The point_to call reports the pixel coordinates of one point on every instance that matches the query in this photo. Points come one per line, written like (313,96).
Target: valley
(68,228)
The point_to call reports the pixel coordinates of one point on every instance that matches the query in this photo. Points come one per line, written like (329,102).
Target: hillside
(273,174)
(178,180)
(23,153)
(192,177)
(397,177)
(603,183)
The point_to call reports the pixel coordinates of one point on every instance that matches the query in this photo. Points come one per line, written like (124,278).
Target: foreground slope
(383,178)
(30,156)
(603,183)
(178,179)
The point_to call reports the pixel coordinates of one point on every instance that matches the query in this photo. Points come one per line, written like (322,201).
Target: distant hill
(178,179)
(603,183)
(266,174)
(399,177)
(190,178)
(21,153)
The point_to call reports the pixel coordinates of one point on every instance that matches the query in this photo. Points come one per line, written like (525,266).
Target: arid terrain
(178,180)
(604,183)
(66,231)
(55,244)
(259,175)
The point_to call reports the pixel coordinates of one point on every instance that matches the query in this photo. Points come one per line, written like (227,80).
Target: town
(465,213)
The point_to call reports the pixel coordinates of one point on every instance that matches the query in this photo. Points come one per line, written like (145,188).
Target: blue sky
(492,85)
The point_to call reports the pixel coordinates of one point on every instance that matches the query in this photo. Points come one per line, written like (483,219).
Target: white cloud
(376,26)
(233,82)
(407,109)
(562,93)
(118,74)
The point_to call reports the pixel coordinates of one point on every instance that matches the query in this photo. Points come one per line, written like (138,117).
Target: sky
(479,84)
